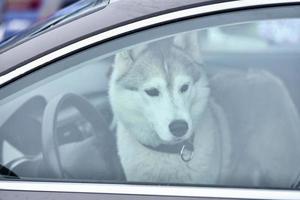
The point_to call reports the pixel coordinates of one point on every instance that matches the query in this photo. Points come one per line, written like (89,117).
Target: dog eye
(184,88)
(153,92)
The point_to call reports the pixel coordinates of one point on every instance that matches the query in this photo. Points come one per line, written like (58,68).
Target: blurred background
(18,15)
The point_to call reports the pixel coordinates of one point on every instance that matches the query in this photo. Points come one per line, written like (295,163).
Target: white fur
(145,165)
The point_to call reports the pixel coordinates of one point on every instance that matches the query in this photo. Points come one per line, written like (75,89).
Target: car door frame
(135,189)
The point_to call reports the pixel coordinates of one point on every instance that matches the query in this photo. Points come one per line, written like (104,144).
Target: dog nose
(178,127)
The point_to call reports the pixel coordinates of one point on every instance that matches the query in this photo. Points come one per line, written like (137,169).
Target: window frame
(138,26)
(129,189)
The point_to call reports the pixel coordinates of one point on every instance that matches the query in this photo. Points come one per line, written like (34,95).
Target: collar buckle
(187,152)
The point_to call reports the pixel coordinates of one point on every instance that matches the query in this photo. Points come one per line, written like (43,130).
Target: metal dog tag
(187,152)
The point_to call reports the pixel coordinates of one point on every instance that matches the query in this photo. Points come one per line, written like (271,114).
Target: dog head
(159,91)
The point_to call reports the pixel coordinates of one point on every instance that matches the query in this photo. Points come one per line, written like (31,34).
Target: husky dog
(169,129)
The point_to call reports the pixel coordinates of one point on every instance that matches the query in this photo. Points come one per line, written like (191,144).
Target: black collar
(185,148)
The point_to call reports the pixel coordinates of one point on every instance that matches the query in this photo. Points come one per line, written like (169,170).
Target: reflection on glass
(218,106)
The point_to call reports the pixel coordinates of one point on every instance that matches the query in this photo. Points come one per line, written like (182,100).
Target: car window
(216,105)
(266,36)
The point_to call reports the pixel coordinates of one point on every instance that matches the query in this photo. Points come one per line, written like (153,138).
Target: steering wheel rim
(49,136)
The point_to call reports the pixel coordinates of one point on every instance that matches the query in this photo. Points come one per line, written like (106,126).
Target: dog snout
(178,127)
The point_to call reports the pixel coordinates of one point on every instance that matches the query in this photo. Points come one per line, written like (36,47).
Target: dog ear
(122,62)
(125,58)
(190,43)
(137,50)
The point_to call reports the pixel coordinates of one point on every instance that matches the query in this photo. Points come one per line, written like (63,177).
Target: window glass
(266,36)
(211,106)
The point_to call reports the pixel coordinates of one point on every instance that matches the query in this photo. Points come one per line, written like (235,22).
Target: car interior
(61,127)
(71,128)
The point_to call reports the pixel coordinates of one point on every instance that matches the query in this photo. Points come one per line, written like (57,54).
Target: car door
(201,102)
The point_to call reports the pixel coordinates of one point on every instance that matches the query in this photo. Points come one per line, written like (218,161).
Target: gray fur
(155,62)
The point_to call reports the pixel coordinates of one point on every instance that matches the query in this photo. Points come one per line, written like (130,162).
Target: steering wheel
(49,128)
